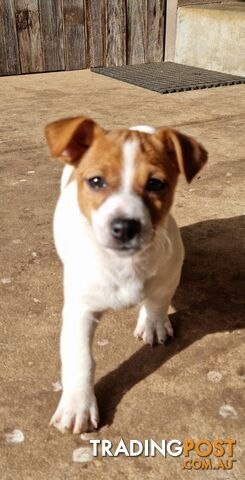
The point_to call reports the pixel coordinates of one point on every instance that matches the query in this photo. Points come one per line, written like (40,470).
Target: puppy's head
(125,178)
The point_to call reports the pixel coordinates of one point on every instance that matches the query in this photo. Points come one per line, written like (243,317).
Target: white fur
(97,278)
(125,203)
(144,128)
(121,204)
(128,173)
(66,176)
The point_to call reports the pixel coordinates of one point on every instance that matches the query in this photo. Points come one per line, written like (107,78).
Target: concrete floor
(161,393)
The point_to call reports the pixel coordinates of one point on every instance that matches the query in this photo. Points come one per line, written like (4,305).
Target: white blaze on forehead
(144,128)
(128,173)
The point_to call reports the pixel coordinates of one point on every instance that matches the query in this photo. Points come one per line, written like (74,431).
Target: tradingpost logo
(207,455)
(201,454)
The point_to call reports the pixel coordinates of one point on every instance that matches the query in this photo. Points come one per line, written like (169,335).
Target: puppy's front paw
(76,413)
(153,332)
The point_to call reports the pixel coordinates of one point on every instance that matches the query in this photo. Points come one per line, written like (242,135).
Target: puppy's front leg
(77,409)
(153,323)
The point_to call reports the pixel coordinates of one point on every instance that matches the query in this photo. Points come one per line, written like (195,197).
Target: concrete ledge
(212,37)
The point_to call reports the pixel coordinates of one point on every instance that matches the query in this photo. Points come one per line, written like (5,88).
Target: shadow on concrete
(208,300)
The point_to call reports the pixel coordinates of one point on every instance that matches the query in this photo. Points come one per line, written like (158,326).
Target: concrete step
(212,37)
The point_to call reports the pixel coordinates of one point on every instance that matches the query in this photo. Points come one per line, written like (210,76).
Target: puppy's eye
(156,185)
(97,183)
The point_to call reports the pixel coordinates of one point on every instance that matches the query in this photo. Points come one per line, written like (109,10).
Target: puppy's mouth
(127,249)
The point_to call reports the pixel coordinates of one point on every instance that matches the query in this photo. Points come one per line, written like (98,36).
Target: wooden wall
(51,35)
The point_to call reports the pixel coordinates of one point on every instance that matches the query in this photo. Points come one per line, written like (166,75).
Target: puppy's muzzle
(125,231)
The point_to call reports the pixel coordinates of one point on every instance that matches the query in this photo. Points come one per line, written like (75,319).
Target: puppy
(117,240)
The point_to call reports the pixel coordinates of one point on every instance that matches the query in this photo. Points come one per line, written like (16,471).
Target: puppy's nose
(124,229)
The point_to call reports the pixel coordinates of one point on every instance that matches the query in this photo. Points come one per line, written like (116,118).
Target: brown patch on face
(103,159)
(155,161)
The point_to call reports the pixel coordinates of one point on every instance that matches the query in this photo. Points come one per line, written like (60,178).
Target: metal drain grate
(169,77)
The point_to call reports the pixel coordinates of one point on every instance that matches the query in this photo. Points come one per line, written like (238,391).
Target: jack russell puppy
(116,239)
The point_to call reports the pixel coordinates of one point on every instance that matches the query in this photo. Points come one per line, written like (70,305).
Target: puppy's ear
(190,155)
(71,137)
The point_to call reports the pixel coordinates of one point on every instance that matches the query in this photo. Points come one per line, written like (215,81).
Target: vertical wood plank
(115,53)
(95,21)
(145,31)
(29,37)
(155,31)
(136,31)
(52,34)
(75,34)
(170,33)
(9,52)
